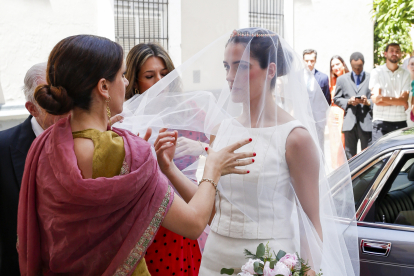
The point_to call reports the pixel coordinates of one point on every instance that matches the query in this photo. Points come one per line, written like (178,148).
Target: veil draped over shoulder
(237,87)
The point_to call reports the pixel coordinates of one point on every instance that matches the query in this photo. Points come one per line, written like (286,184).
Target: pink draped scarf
(67,224)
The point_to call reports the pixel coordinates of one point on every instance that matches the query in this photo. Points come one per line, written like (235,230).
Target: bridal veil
(252,79)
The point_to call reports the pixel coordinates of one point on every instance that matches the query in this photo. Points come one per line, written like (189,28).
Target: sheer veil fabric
(239,86)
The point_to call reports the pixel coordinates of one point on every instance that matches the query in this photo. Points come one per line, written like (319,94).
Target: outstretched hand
(226,160)
(165,149)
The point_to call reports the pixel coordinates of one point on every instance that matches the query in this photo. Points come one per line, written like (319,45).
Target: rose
(290,260)
(249,266)
(281,268)
(244,274)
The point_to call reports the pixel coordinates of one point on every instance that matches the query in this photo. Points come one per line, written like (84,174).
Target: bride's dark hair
(75,66)
(265,49)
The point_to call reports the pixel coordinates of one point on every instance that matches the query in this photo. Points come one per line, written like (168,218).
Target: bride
(286,199)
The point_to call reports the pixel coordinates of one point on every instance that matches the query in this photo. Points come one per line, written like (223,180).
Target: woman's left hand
(187,146)
(165,149)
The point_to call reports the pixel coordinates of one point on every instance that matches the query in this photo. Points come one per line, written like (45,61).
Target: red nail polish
(206,148)
(253,160)
(250,139)
(248,171)
(254,154)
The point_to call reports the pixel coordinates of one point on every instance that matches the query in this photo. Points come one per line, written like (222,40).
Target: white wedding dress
(231,230)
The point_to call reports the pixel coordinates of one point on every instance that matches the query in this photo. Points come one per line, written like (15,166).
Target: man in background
(309,56)
(390,86)
(353,96)
(14,146)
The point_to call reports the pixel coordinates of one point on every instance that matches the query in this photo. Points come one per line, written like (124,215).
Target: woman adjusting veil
(253,85)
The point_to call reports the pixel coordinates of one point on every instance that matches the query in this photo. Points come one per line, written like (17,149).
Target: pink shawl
(75,226)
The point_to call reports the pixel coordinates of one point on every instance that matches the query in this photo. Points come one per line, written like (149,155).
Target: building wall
(28,32)
(334,27)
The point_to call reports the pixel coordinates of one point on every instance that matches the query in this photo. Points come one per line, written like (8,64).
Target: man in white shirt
(14,146)
(390,86)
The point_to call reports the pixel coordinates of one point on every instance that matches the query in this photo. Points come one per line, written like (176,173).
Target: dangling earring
(108,110)
(136,91)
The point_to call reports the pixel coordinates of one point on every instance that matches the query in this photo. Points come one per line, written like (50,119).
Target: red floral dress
(170,253)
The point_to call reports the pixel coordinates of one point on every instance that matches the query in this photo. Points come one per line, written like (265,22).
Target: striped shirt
(392,84)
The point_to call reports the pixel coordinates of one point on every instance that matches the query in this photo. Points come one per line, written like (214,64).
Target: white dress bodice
(268,181)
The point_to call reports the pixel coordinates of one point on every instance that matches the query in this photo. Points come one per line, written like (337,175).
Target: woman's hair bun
(55,100)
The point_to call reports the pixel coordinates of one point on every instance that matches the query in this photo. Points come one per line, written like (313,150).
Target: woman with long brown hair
(147,63)
(92,198)
(336,116)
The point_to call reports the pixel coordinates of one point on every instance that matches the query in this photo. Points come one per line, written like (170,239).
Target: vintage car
(383,184)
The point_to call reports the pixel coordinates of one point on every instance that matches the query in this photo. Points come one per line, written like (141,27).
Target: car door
(385,215)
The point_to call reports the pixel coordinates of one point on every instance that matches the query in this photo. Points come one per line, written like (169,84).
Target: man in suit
(309,56)
(14,146)
(354,96)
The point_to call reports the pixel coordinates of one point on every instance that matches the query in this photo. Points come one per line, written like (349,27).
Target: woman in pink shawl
(92,199)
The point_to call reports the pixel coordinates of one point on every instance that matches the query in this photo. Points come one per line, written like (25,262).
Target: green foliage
(261,250)
(393,20)
(228,271)
(280,254)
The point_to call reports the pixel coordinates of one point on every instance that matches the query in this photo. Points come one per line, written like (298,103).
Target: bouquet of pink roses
(263,264)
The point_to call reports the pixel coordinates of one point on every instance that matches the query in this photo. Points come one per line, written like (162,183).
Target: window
(363,182)
(267,14)
(395,204)
(139,21)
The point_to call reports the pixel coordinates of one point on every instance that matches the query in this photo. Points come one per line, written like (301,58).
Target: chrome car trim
(368,245)
(376,188)
(378,155)
(385,263)
(379,182)
(370,164)
(388,226)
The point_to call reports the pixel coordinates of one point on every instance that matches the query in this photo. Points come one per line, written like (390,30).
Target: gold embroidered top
(109,161)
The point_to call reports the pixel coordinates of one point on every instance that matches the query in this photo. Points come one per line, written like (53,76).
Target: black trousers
(380,128)
(352,137)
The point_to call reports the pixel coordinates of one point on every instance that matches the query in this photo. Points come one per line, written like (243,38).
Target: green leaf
(256,266)
(280,254)
(272,264)
(228,271)
(260,250)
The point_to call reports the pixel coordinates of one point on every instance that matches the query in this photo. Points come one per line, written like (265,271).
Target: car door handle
(379,248)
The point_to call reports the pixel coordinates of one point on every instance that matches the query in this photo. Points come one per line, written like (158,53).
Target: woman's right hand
(226,160)
(164,147)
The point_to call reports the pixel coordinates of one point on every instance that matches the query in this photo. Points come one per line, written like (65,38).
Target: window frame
(376,188)
(145,11)
(267,13)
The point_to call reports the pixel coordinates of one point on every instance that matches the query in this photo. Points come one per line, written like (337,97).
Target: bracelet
(208,180)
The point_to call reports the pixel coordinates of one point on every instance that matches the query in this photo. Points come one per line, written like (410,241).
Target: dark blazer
(323,82)
(346,89)
(14,145)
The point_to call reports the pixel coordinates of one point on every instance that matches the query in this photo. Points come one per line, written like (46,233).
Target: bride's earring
(136,91)
(108,110)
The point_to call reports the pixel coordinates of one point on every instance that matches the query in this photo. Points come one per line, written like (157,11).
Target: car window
(362,183)
(395,204)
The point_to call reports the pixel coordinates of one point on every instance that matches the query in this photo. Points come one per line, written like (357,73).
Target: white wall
(174,31)
(30,29)
(334,27)
(204,21)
